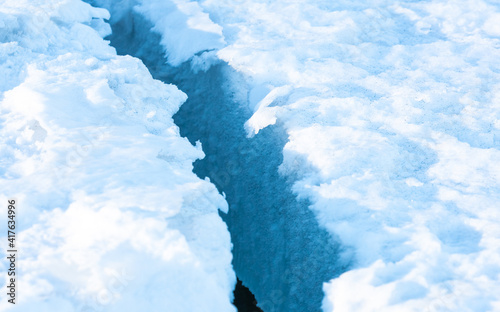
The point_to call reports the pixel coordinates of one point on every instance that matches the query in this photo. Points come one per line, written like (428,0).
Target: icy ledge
(111,217)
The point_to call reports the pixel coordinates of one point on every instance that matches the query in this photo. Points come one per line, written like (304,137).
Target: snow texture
(392,114)
(110,215)
(186,29)
(389,116)
(392,117)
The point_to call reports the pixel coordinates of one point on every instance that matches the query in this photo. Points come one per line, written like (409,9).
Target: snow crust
(392,117)
(110,215)
(392,112)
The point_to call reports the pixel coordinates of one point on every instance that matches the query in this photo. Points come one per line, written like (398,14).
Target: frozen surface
(110,215)
(389,116)
(391,112)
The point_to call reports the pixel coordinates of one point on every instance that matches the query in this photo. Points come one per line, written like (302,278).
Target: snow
(390,115)
(393,130)
(110,215)
(391,111)
(187,31)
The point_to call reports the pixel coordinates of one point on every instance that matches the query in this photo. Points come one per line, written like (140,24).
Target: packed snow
(392,113)
(110,215)
(384,116)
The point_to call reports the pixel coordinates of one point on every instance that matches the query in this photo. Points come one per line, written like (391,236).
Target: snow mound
(110,215)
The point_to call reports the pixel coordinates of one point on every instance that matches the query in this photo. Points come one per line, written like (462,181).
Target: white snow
(185,28)
(393,131)
(110,216)
(187,31)
(392,114)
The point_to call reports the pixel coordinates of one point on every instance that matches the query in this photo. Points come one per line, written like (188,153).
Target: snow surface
(187,30)
(392,115)
(391,112)
(110,215)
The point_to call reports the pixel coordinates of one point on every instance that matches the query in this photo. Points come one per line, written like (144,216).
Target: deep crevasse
(279,251)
